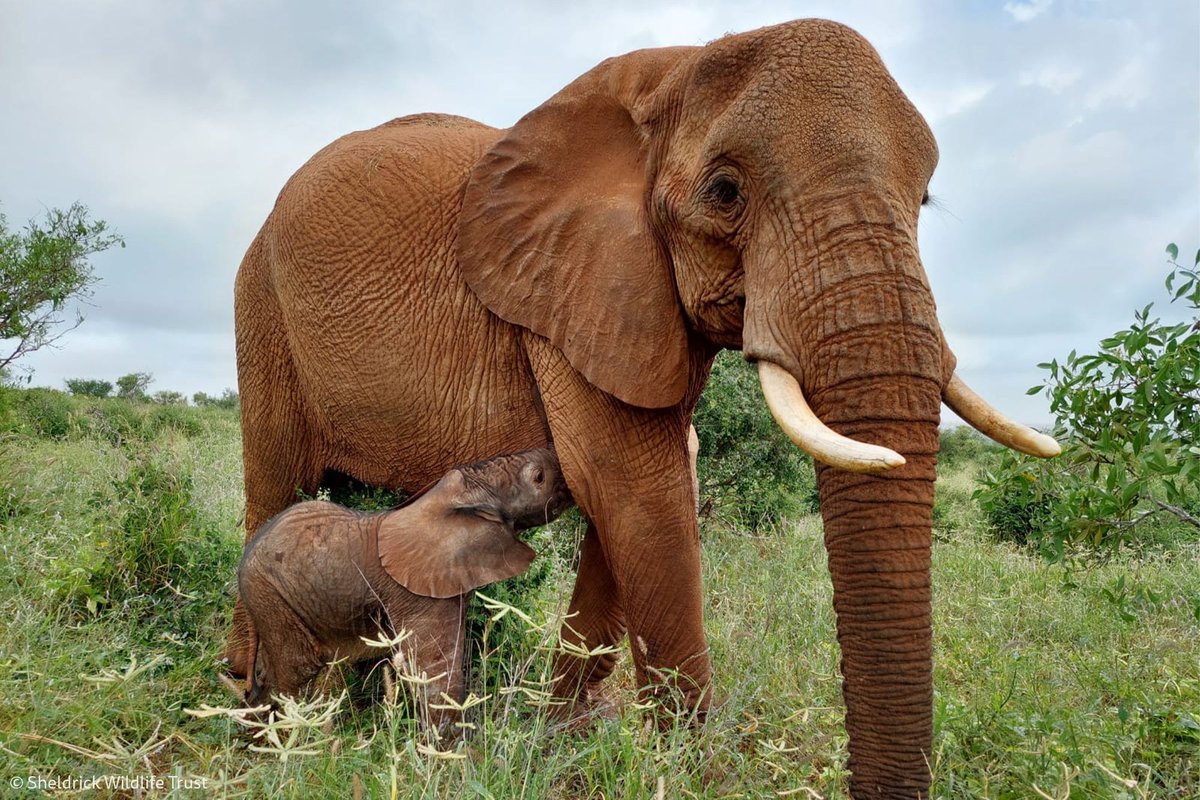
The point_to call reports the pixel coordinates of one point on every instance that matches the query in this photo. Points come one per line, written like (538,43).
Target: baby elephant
(317,577)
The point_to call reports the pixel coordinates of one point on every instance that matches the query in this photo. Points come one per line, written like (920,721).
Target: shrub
(229,399)
(1020,505)
(1129,418)
(145,538)
(963,445)
(167,397)
(88,387)
(115,420)
(361,497)
(45,412)
(178,418)
(134,385)
(10,400)
(42,270)
(748,468)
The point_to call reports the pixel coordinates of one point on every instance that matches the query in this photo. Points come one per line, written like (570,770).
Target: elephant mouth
(795,417)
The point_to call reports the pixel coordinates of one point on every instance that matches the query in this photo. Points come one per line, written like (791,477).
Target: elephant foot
(580,714)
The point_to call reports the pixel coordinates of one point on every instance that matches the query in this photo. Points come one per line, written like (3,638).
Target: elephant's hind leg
(595,621)
(280,450)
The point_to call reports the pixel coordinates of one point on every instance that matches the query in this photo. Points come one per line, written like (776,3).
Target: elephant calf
(317,577)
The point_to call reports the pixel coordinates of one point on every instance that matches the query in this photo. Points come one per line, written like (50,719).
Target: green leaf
(1173,251)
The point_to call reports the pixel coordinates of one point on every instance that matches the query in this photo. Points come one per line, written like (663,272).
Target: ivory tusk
(976,411)
(793,414)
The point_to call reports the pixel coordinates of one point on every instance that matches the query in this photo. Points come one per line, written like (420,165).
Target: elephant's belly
(403,373)
(415,392)
(434,407)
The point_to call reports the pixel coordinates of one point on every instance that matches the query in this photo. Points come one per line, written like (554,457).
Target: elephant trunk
(883,385)
(877,535)
(859,343)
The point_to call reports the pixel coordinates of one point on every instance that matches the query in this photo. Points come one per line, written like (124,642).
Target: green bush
(167,397)
(1019,505)
(146,538)
(10,400)
(749,470)
(134,385)
(357,495)
(89,387)
(43,269)
(228,399)
(178,418)
(1129,418)
(115,420)
(963,445)
(13,494)
(45,412)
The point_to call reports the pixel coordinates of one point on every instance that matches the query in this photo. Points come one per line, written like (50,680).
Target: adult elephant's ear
(554,234)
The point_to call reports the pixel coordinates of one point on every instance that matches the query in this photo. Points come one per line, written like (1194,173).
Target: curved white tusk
(963,401)
(792,414)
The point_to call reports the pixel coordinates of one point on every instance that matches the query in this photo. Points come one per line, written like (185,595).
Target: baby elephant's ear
(448,554)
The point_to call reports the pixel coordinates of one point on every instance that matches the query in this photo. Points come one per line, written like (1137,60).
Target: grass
(1081,685)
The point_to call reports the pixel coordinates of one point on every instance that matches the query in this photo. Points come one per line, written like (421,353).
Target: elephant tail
(253,690)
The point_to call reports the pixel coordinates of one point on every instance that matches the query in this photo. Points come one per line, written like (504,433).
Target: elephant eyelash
(724,191)
(935,201)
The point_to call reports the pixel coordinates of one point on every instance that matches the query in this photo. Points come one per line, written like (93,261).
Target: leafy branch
(42,269)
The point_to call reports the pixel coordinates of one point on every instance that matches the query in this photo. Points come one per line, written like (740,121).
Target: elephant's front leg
(628,470)
(433,656)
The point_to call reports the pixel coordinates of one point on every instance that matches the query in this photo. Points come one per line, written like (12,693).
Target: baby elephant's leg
(436,648)
(293,656)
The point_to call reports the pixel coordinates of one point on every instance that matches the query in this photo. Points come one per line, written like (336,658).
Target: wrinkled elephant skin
(434,291)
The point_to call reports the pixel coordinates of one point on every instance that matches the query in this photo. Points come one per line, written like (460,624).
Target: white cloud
(940,103)
(1055,78)
(1127,87)
(1024,12)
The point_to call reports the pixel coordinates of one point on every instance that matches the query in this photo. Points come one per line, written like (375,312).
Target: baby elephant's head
(524,489)
(462,534)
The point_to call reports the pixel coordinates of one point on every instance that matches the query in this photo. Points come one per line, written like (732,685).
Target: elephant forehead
(812,89)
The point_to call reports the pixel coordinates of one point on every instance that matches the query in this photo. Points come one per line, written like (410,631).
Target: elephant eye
(541,476)
(723,191)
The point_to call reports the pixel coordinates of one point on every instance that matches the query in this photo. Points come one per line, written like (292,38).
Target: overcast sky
(1069,133)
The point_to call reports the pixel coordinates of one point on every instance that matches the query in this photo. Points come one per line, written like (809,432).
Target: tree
(747,466)
(134,385)
(166,397)
(229,399)
(1129,417)
(41,270)
(89,387)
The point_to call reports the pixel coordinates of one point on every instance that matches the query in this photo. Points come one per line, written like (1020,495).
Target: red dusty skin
(862,338)
(877,534)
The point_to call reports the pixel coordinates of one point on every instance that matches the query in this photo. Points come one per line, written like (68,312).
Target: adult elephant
(434,291)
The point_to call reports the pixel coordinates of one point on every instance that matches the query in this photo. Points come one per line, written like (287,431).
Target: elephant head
(758,193)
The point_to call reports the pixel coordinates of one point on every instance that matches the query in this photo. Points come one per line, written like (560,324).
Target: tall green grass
(1083,684)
